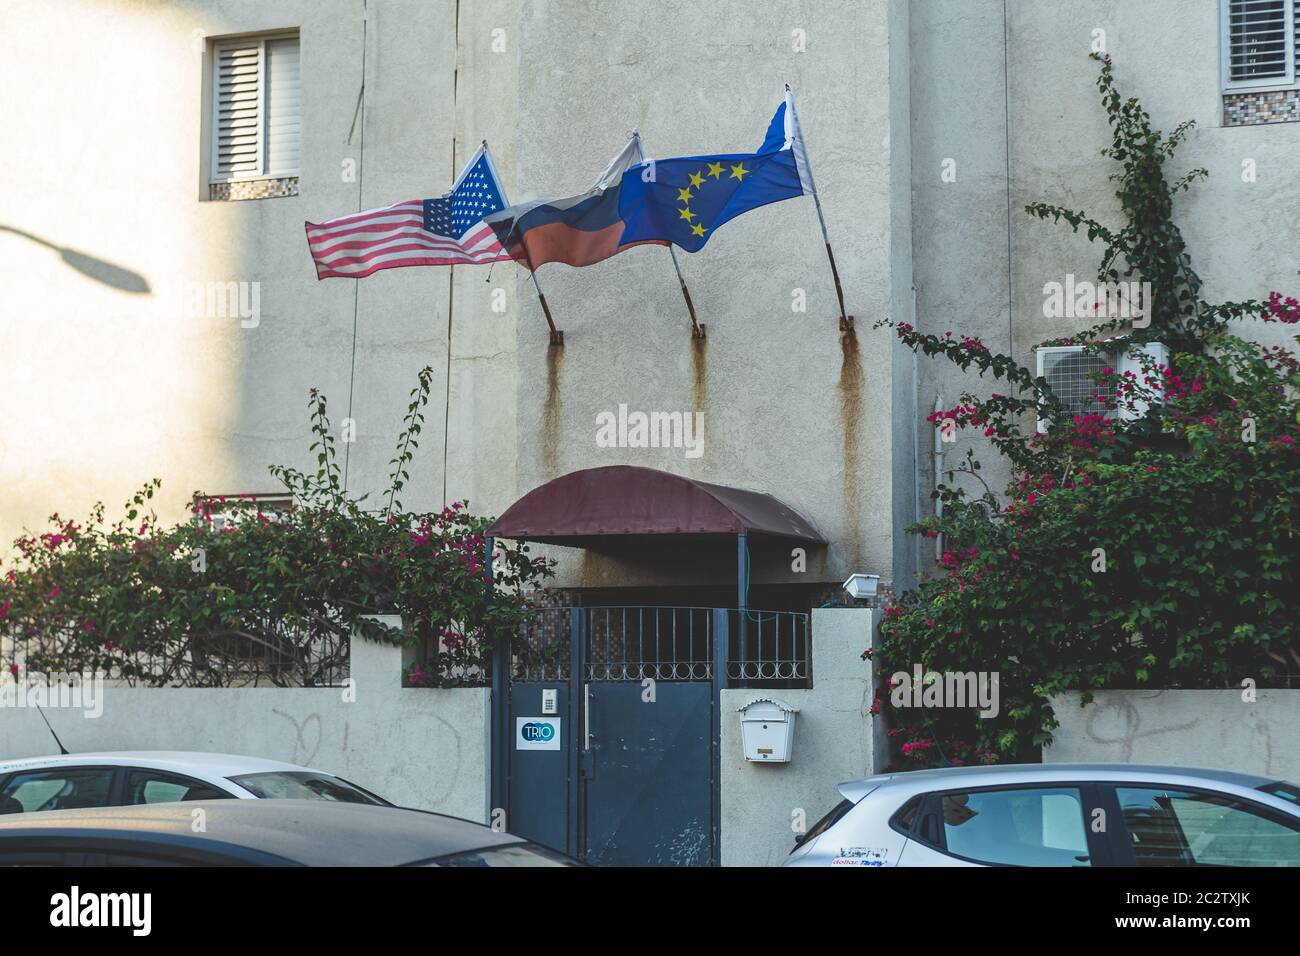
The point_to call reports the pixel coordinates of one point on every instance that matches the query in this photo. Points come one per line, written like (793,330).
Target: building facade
(130,354)
(161,315)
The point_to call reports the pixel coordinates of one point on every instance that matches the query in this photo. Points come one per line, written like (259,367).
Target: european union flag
(684,200)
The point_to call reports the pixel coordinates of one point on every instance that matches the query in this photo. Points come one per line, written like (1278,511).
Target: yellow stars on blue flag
(697,182)
(683,200)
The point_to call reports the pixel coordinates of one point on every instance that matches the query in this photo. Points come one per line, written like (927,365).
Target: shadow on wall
(92,266)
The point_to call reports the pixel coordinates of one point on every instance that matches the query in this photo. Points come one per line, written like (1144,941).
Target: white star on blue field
(476,196)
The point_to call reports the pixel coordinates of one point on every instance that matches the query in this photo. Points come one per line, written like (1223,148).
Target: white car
(128,778)
(1058,815)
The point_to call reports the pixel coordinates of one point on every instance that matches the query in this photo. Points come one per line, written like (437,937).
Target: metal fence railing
(262,652)
(634,642)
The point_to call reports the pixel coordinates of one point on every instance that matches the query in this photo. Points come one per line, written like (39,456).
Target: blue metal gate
(648,775)
(609,744)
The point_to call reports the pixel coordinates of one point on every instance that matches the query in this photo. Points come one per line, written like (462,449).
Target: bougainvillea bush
(1150,541)
(240,593)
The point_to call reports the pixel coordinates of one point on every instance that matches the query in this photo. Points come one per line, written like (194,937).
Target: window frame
(1271,84)
(115,783)
(1122,840)
(1099,844)
(168,776)
(213,79)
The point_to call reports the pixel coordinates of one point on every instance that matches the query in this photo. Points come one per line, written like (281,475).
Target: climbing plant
(244,593)
(1150,540)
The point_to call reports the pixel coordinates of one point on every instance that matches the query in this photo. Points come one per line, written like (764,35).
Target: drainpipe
(938,472)
(499,719)
(742,603)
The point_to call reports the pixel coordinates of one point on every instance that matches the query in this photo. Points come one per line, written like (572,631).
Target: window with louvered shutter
(1260,49)
(256,108)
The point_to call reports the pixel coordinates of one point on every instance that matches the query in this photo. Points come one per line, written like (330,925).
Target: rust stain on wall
(551,413)
(851,414)
(700,373)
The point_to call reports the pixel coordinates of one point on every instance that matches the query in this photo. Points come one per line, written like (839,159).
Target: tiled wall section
(1251,109)
(254,189)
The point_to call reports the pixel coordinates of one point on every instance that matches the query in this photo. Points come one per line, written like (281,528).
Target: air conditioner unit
(1072,375)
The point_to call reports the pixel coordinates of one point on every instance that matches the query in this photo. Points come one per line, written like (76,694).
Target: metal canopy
(588,508)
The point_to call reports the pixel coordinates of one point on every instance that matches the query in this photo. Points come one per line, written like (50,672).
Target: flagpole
(846,320)
(557,335)
(697,330)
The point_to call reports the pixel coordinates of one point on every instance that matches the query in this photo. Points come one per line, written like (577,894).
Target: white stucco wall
(835,739)
(108,387)
(423,748)
(1191,728)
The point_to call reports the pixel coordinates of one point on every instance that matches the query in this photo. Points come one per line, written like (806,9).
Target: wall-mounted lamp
(862,587)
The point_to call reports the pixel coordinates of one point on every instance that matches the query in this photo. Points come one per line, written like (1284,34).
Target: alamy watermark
(1095,300)
(626,429)
(960,689)
(213,300)
(56,690)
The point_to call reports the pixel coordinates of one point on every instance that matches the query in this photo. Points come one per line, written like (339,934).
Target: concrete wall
(1192,728)
(790,406)
(423,748)
(106,376)
(835,739)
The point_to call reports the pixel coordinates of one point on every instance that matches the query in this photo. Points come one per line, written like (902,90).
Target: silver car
(1058,815)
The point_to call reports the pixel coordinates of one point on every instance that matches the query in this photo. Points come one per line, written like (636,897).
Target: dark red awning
(597,504)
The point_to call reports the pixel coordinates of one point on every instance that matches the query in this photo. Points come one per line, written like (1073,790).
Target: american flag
(421,232)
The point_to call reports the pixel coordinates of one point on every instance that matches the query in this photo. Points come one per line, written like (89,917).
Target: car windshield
(305,785)
(514,854)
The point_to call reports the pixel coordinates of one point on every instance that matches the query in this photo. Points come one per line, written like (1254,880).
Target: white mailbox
(767,730)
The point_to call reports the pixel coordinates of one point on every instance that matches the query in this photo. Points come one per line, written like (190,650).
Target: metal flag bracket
(697,329)
(846,320)
(557,335)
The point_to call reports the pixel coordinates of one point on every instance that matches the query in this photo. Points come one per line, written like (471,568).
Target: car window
(155,786)
(1287,791)
(1170,827)
(61,789)
(836,814)
(1017,827)
(304,785)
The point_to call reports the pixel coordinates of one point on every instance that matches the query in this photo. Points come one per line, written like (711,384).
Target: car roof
(942,777)
(180,761)
(308,832)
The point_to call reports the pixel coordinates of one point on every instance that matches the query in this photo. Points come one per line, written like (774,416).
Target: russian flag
(578,231)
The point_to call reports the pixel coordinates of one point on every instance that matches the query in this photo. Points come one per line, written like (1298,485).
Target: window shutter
(237,131)
(284,106)
(1257,41)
